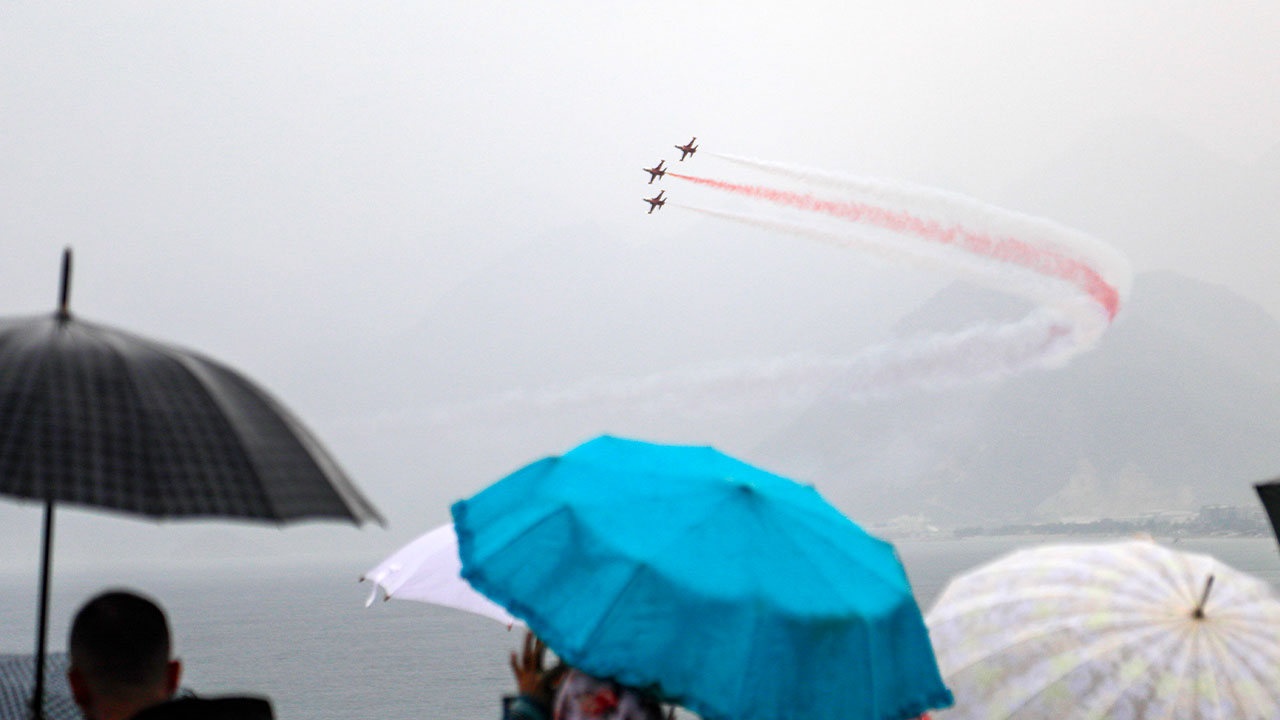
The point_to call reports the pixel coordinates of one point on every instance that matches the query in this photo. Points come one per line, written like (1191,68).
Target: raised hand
(528,665)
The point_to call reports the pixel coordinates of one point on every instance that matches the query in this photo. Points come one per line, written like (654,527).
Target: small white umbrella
(428,570)
(1121,630)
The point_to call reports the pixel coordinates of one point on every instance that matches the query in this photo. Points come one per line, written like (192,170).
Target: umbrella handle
(37,695)
(1198,613)
(64,287)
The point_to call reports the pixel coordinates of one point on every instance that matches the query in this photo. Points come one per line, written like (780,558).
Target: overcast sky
(294,188)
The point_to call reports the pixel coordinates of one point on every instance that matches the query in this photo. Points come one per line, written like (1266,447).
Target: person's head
(120,656)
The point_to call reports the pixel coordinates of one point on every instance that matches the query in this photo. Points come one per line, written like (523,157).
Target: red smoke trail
(1040,260)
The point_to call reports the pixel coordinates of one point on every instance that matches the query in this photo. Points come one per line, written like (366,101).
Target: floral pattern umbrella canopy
(1123,630)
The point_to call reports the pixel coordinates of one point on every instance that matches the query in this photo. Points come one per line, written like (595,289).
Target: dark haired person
(122,666)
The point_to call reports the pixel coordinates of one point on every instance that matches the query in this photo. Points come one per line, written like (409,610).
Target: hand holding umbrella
(528,665)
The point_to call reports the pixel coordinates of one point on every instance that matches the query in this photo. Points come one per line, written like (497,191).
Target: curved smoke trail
(1077,283)
(938,259)
(1071,246)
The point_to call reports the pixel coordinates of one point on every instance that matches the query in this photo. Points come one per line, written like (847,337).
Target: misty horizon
(383,214)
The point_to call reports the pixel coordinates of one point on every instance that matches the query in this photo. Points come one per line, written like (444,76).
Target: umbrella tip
(64,289)
(1198,613)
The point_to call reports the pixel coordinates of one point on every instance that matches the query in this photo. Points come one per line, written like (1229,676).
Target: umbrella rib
(1098,649)
(1026,563)
(201,375)
(144,422)
(1166,664)
(644,599)
(626,676)
(990,600)
(1248,636)
(1188,649)
(116,342)
(800,552)
(358,508)
(1026,634)
(1241,668)
(1216,692)
(29,388)
(1101,707)
(200,369)
(893,583)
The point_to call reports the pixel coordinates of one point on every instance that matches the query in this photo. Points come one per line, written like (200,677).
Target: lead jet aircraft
(655,172)
(656,201)
(687,149)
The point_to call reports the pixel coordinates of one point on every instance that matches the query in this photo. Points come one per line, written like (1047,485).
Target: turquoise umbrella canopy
(735,592)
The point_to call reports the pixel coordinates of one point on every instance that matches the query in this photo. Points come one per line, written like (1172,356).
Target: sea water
(302,635)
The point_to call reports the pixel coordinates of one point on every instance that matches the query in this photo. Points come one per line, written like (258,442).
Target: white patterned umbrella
(428,570)
(1120,630)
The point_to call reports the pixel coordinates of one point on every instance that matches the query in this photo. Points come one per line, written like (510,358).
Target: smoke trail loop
(1078,282)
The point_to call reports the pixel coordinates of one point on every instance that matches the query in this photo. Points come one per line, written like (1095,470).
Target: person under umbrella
(99,417)
(562,693)
(122,666)
(729,590)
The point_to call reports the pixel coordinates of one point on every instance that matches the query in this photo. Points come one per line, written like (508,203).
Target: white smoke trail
(1106,260)
(985,352)
(1047,337)
(1080,279)
(1076,281)
(933,258)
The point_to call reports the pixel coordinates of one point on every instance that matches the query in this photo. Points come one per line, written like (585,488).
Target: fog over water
(384,212)
(302,635)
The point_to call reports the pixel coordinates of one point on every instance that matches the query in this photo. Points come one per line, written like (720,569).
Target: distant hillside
(1179,406)
(1165,201)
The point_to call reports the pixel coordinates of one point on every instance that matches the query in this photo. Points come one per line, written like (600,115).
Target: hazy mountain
(1165,201)
(581,305)
(1178,406)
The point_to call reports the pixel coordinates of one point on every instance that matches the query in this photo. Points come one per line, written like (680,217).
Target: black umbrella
(1269,493)
(97,416)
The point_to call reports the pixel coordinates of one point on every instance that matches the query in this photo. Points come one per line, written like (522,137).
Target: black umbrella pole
(64,286)
(37,695)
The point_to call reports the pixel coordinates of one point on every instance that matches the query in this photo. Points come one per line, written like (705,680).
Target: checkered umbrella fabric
(96,416)
(15,687)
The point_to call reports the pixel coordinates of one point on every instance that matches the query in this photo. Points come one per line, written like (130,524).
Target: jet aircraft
(656,201)
(687,149)
(656,172)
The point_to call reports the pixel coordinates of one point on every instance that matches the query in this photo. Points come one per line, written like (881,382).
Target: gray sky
(299,189)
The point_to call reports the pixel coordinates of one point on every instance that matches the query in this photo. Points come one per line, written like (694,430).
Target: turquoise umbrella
(737,593)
